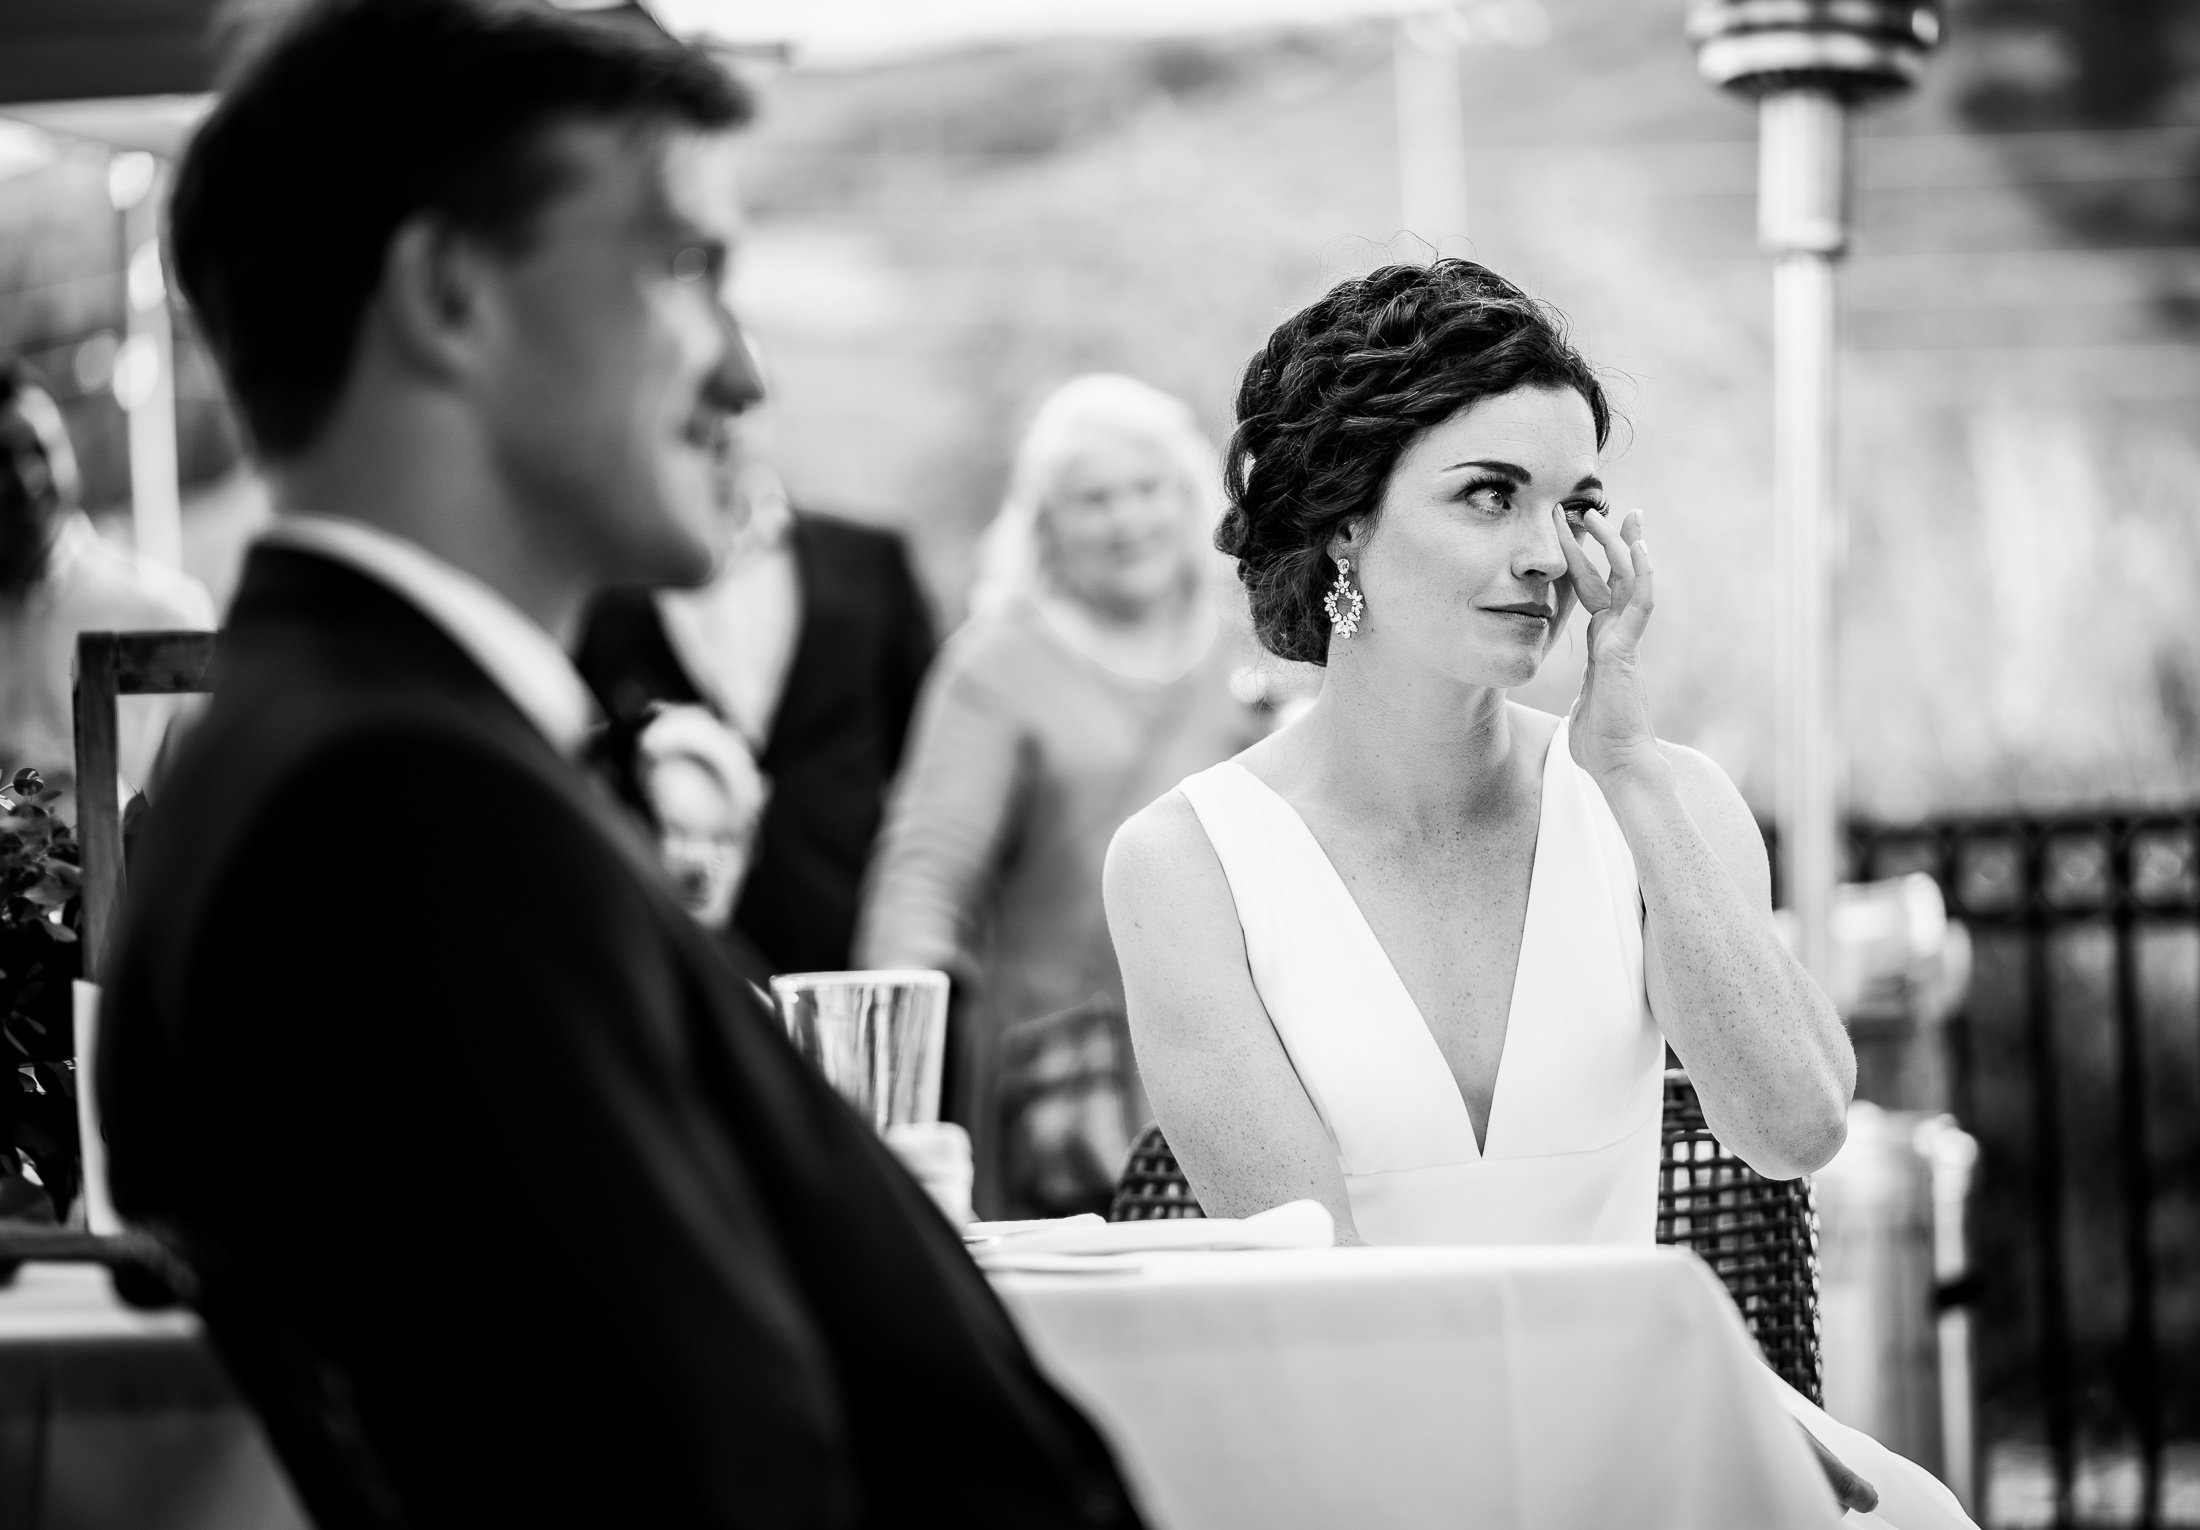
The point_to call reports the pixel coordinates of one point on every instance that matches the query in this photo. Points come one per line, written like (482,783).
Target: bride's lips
(1525,610)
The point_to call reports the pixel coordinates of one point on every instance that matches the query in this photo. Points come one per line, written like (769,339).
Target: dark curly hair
(1340,390)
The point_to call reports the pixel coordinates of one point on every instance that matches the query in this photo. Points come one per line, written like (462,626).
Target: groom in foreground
(509,1205)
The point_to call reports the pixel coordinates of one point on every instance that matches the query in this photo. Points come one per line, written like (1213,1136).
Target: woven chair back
(1152,1186)
(1760,1236)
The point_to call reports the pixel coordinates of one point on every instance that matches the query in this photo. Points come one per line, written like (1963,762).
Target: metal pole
(145,368)
(2133,1151)
(1801,195)
(2047,1153)
(1432,129)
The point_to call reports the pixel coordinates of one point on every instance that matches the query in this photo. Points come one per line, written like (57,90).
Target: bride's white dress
(1571,1150)
(1571,1147)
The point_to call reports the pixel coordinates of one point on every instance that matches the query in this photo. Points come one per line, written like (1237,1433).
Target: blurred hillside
(937,242)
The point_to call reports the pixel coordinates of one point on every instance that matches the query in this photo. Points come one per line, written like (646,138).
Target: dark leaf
(46,893)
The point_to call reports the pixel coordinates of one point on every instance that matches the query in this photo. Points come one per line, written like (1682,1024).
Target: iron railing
(2064,1061)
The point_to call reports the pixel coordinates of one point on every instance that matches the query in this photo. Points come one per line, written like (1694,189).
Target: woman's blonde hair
(1010,555)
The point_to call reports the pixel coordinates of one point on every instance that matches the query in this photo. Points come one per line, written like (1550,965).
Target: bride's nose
(1539,556)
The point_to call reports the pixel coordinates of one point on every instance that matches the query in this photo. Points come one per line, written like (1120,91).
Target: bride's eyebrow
(1517,474)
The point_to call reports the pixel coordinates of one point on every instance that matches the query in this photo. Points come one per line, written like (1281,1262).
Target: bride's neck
(1415,747)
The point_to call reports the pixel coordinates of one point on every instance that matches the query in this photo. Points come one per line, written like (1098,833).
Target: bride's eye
(1577,510)
(1491,495)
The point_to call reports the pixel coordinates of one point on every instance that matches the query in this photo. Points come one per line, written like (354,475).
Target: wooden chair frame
(109,666)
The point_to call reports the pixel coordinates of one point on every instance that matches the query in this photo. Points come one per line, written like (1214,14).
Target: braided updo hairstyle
(1339,392)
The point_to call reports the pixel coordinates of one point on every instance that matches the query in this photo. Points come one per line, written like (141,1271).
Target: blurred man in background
(59,577)
(509,1203)
(810,644)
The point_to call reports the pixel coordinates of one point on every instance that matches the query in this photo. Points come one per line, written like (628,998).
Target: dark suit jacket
(836,738)
(409,1045)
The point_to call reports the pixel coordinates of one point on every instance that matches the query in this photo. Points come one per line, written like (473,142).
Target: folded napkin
(1297,1224)
(986,1232)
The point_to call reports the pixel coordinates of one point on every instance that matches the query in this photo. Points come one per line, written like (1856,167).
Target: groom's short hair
(353,116)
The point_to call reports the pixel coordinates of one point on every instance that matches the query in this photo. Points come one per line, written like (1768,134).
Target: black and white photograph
(1164,764)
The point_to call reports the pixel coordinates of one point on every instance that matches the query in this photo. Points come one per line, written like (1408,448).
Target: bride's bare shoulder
(1174,924)
(1168,900)
(1158,848)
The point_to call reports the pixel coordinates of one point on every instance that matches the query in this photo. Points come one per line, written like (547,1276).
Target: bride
(1417,955)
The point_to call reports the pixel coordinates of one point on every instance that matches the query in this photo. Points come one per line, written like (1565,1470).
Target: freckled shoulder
(1174,921)
(1160,853)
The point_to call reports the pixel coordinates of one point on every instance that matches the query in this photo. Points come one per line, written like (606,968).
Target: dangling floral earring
(1343,602)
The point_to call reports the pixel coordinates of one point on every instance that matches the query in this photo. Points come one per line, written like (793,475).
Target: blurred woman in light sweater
(1096,670)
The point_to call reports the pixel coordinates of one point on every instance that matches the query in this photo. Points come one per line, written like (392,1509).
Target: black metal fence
(2076,1063)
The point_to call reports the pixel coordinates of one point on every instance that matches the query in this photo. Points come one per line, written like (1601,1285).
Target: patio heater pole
(1807,63)
(1432,132)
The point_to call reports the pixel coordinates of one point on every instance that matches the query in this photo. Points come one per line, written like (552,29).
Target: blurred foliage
(40,956)
(2116,68)
(2086,63)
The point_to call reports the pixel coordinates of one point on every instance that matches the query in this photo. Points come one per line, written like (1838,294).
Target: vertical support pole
(145,369)
(1801,212)
(2142,1377)
(2047,1179)
(98,795)
(1432,130)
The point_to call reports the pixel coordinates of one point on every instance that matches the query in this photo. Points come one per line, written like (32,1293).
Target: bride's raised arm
(1222,1086)
(1768,1054)
(1761,1041)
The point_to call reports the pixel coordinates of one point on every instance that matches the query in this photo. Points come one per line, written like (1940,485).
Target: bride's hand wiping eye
(1610,732)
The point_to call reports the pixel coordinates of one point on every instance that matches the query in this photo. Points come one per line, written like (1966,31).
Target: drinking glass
(879,1037)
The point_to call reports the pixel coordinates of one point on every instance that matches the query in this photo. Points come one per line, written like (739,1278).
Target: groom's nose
(737,382)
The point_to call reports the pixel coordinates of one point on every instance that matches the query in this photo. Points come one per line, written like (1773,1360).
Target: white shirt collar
(525,662)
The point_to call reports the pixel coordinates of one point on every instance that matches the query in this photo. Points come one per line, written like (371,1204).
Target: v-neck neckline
(1481,1139)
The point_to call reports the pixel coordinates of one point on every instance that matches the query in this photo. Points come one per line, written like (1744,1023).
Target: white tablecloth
(118,1420)
(1517,1389)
